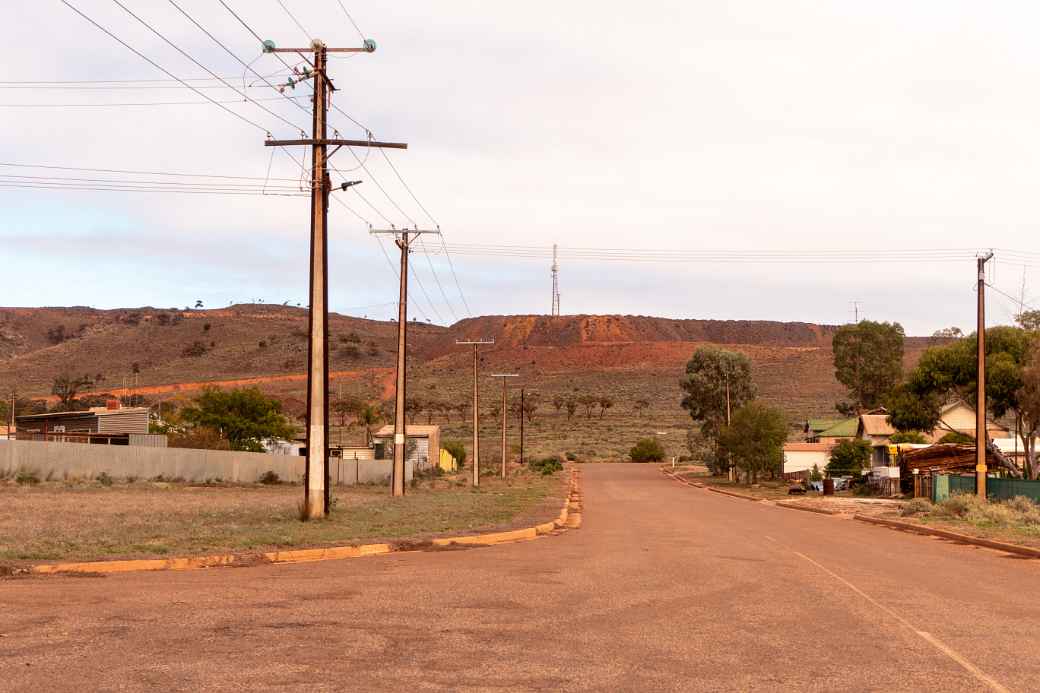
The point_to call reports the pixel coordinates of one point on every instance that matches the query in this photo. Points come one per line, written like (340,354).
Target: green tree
(589,402)
(754,441)
(605,403)
(647,450)
(868,360)
(912,411)
(1029,320)
(640,406)
(368,415)
(957,438)
(344,407)
(243,417)
(572,406)
(951,371)
(710,373)
(66,388)
(849,457)
(908,437)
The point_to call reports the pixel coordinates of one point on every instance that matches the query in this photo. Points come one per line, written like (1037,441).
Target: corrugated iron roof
(843,429)
(876,425)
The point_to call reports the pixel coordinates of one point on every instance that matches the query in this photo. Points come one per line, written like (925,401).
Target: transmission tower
(556,285)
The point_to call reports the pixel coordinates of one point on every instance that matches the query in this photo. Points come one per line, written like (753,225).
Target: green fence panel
(1006,489)
(962,484)
(940,488)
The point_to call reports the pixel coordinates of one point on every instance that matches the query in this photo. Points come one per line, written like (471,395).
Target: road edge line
(569,518)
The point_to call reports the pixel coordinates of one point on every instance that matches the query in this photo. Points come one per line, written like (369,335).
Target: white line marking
(927,637)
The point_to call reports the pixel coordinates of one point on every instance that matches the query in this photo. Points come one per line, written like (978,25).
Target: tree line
(868,360)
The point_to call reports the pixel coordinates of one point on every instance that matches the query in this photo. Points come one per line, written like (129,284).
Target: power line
(192,59)
(407,187)
(161,68)
(138,172)
(124,104)
(120,188)
(351,19)
(58,179)
(248,66)
(436,278)
(308,35)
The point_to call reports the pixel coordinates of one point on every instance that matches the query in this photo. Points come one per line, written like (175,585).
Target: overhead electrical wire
(199,64)
(130,104)
(161,68)
(139,172)
(351,19)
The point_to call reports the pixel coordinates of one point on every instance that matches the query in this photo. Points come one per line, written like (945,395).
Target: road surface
(665,587)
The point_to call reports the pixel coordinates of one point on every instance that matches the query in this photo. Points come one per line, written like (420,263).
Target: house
(800,458)
(424,453)
(113,425)
(841,430)
(813,427)
(959,417)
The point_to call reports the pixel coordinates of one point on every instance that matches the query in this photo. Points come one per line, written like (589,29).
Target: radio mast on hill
(556,285)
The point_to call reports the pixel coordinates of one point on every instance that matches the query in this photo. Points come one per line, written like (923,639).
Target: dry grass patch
(52,521)
(1016,521)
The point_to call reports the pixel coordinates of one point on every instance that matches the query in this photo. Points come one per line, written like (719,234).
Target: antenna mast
(556,285)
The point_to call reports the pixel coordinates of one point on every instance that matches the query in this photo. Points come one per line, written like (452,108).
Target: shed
(423,454)
(97,423)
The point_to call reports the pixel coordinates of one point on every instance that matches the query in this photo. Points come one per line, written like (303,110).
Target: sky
(749,126)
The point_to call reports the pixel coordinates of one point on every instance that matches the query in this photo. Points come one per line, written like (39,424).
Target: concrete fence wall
(61,460)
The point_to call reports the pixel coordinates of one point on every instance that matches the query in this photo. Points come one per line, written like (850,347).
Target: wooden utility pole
(981,438)
(404,242)
(476,343)
(523,402)
(503,376)
(11,425)
(316,482)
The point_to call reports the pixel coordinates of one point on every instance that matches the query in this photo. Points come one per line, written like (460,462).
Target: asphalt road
(665,587)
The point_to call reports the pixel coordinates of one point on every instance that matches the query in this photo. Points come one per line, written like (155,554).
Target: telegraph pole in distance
(503,376)
(476,343)
(403,239)
(316,481)
(980,395)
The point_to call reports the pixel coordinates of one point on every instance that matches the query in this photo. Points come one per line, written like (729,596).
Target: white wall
(803,460)
(59,460)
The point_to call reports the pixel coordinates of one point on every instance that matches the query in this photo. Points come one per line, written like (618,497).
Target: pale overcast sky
(655,125)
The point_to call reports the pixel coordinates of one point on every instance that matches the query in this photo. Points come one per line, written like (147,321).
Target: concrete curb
(807,509)
(954,536)
(569,518)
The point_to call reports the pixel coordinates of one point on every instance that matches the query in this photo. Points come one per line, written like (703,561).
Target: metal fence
(996,489)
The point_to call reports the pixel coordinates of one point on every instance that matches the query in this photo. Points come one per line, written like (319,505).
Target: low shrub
(546,466)
(27,477)
(269,477)
(104,478)
(916,507)
(647,450)
(571,457)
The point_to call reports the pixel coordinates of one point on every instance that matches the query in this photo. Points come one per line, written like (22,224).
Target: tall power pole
(503,376)
(316,482)
(476,343)
(404,242)
(981,438)
(556,285)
